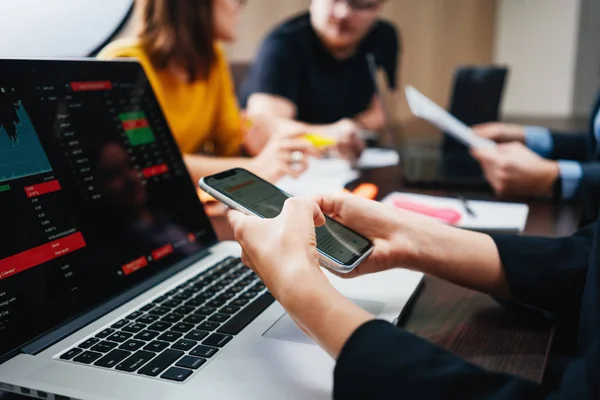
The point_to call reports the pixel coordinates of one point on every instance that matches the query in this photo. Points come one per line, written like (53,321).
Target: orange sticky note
(366,190)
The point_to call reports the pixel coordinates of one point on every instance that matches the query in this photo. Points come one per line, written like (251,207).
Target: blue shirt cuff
(571,173)
(539,140)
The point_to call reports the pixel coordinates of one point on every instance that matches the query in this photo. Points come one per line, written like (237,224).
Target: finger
(485,154)
(333,204)
(235,218)
(318,217)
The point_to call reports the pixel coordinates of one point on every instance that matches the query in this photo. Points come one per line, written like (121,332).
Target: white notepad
(490,216)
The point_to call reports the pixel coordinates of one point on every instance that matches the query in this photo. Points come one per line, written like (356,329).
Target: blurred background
(542,41)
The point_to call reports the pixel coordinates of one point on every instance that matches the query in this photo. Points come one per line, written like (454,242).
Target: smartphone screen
(336,241)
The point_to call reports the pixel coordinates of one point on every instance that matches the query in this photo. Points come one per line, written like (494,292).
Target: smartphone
(340,248)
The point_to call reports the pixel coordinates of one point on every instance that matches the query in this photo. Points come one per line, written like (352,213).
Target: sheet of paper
(328,175)
(378,158)
(424,108)
(489,215)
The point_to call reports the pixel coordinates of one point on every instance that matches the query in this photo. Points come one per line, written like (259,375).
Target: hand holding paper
(424,108)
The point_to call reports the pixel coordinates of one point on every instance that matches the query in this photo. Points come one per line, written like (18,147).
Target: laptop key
(71,353)
(195,302)
(183,297)
(147,307)
(209,325)
(112,358)
(229,310)
(148,319)
(146,335)
(136,361)
(191,362)
(134,315)
(216,303)
(196,335)
(170,336)
(120,324)
(247,315)
(156,346)
(184,345)
(217,340)
(184,310)
(182,327)
(161,362)
(206,311)
(193,319)
(88,357)
(88,343)
(171,303)
(159,311)
(239,302)
(161,299)
(177,374)
(132,345)
(172,318)
(219,317)
(104,347)
(160,326)
(119,337)
(134,327)
(204,351)
(105,333)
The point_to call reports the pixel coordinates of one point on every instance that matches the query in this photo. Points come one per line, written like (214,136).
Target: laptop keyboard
(179,331)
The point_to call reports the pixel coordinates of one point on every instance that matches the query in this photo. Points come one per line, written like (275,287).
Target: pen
(466,206)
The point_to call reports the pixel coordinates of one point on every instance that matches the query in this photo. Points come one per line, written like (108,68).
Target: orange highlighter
(447,215)
(365,190)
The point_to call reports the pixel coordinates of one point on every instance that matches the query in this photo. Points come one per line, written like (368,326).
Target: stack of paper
(488,216)
(328,175)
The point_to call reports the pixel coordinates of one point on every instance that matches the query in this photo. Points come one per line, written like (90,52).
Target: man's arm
(380,361)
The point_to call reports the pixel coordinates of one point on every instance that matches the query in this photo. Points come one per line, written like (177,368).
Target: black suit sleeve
(547,273)
(380,361)
(571,146)
(590,181)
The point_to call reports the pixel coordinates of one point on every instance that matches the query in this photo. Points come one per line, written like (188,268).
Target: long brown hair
(179,32)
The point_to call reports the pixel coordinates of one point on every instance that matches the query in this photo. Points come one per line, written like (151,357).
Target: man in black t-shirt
(313,69)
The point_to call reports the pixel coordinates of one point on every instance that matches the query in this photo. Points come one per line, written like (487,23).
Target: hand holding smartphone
(340,248)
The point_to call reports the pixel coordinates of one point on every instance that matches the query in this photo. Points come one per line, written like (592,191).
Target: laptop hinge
(49,339)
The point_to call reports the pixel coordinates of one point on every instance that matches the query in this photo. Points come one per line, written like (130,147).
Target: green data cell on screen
(140,136)
(4,188)
(132,116)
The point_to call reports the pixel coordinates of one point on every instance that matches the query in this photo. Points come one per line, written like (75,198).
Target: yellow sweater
(203,115)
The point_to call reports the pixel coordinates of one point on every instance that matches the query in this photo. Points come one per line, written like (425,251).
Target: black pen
(466,206)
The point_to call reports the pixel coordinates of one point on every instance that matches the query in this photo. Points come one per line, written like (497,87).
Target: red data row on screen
(42,188)
(91,86)
(135,124)
(142,262)
(40,255)
(155,170)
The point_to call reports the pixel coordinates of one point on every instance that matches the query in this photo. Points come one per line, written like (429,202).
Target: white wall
(538,39)
(587,73)
(57,28)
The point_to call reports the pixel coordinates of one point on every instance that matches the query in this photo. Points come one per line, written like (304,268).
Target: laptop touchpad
(285,328)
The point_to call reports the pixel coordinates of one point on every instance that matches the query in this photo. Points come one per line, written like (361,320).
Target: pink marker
(447,215)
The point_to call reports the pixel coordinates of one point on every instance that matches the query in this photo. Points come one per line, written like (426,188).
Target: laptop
(112,282)
(426,164)
(476,98)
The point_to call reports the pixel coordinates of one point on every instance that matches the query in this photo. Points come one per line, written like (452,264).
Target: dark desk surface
(473,325)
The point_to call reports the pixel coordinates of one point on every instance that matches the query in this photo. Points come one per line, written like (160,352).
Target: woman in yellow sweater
(178,47)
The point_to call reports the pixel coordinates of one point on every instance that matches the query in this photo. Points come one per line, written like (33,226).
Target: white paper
(424,108)
(489,215)
(323,176)
(378,158)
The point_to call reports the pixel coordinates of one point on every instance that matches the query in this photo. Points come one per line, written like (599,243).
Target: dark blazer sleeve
(571,146)
(547,273)
(381,361)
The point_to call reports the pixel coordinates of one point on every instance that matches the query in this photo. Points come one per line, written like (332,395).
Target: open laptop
(112,282)
(428,164)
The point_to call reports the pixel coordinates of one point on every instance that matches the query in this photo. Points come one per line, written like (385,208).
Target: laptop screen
(94,194)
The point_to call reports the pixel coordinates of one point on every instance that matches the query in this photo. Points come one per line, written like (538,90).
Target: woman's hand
(283,155)
(283,252)
(500,132)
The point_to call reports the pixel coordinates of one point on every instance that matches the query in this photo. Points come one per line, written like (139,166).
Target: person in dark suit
(376,359)
(533,160)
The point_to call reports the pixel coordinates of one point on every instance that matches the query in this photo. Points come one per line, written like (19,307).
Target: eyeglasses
(361,5)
